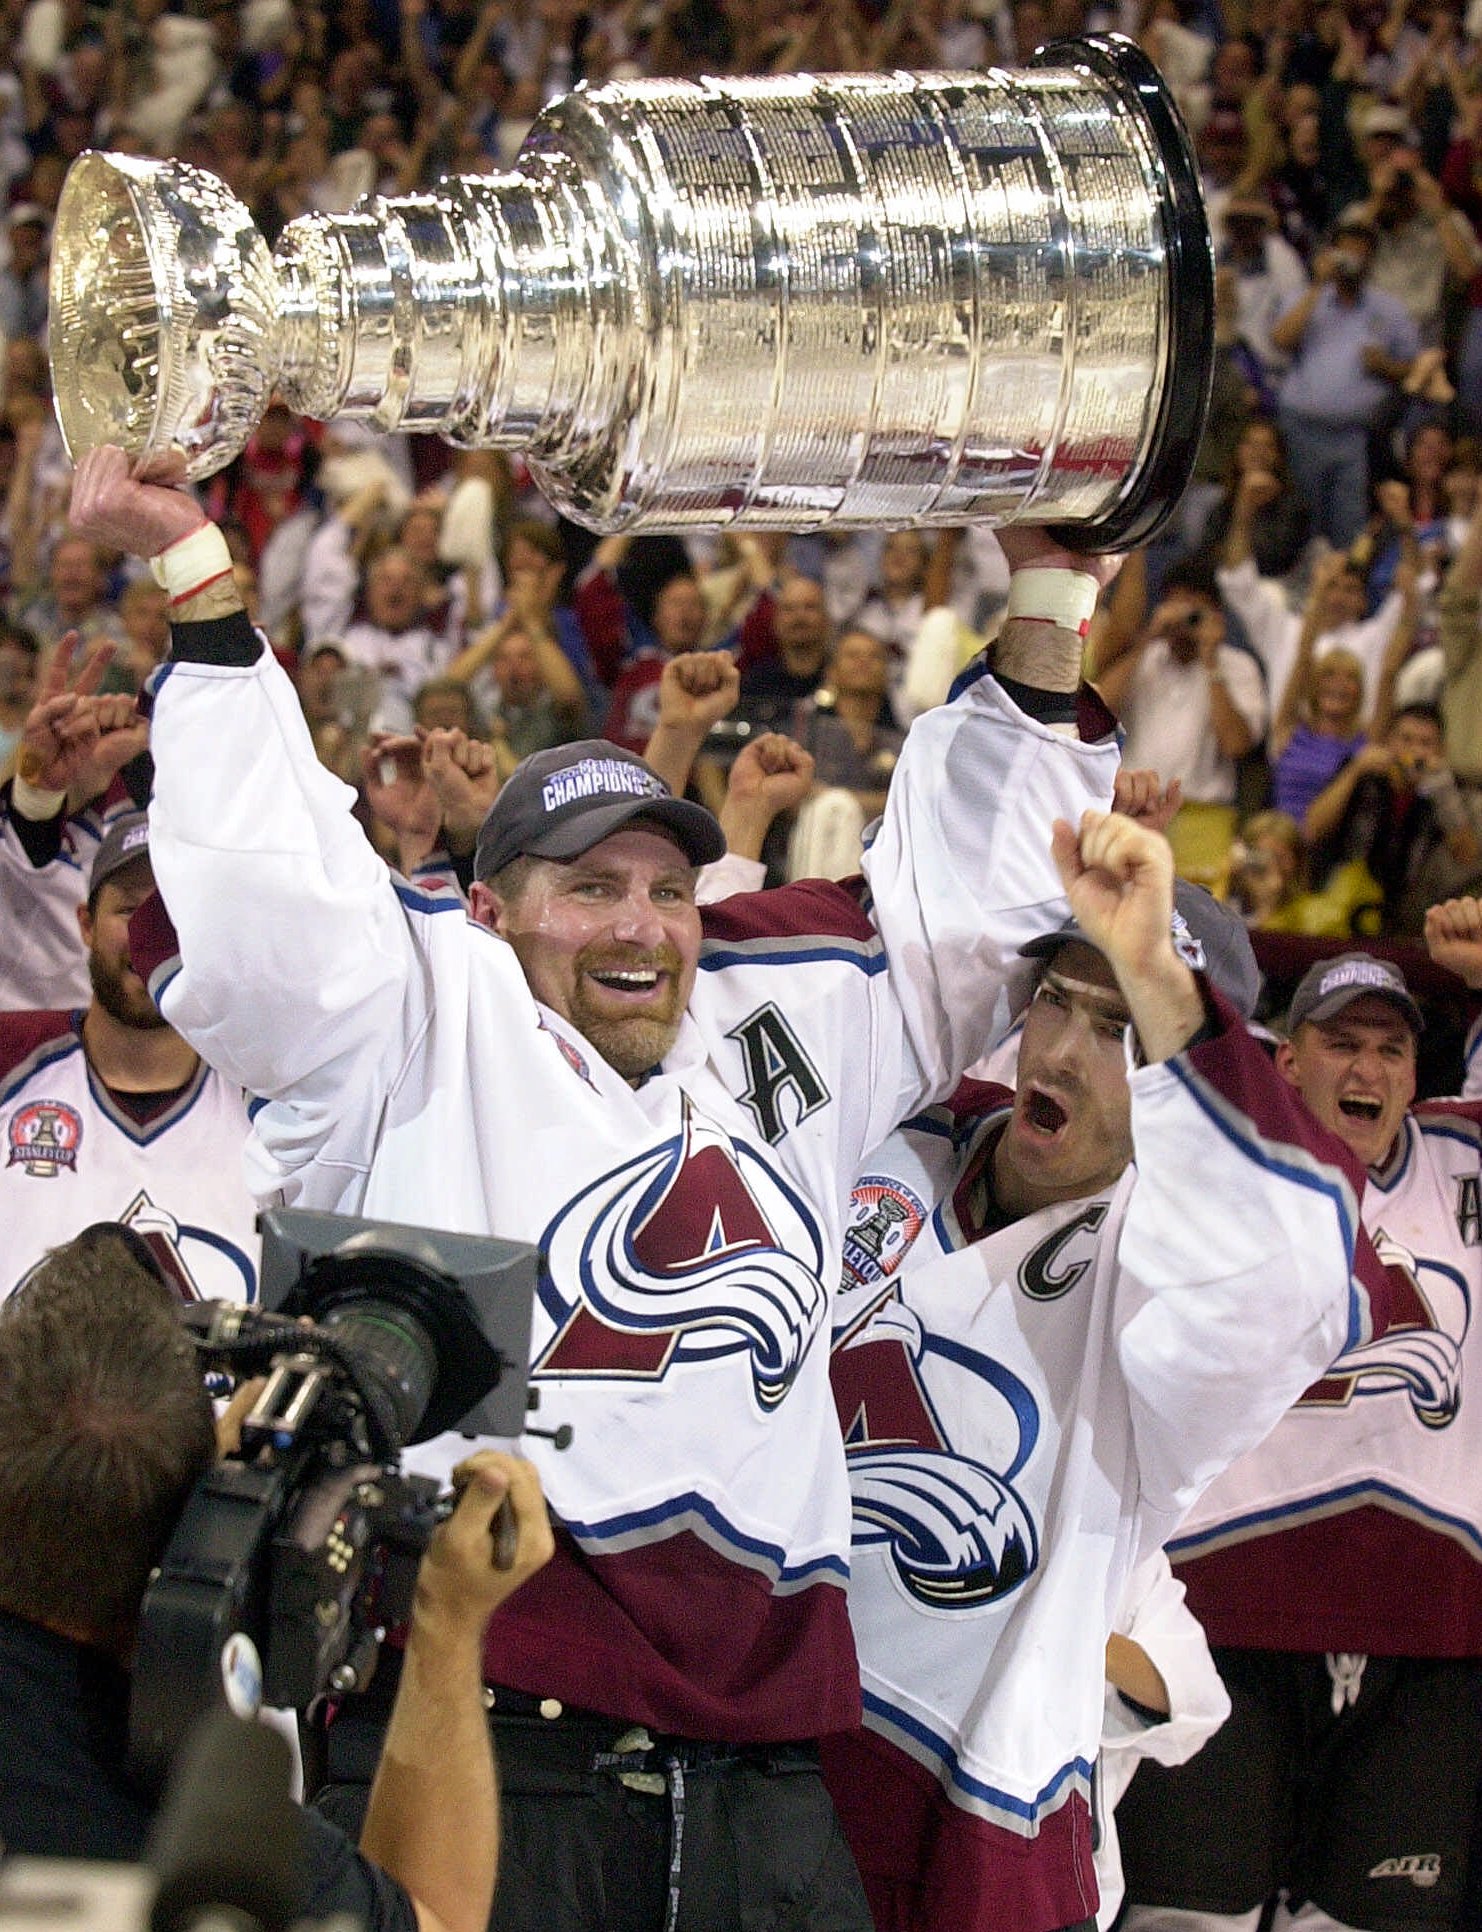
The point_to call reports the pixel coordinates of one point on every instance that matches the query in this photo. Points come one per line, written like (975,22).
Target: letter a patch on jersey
(775,1063)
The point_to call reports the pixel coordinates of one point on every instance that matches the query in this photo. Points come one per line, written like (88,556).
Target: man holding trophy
(857,282)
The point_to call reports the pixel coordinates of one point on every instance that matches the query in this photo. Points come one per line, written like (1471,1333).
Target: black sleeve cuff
(137,777)
(1047,707)
(462,865)
(1144,1713)
(216,640)
(40,838)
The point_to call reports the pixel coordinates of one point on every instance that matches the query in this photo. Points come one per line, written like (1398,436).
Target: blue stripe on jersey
(153,685)
(255,1105)
(692,1505)
(1261,1152)
(942,1125)
(1446,1127)
(44,1056)
(164,976)
(713,958)
(143,1134)
(986,1795)
(229,1252)
(1389,1173)
(1330,1502)
(971,673)
(442,899)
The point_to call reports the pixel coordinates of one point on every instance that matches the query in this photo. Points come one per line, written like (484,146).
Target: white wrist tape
(30,801)
(185,567)
(1063,597)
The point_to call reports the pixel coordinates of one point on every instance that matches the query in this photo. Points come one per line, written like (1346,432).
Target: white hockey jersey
(74,1154)
(43,962)
(1030,1411)
(1357,1525)
(1155,1616)
(691,1226)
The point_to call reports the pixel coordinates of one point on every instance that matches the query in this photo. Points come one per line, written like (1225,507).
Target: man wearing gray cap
(674,1114)
(109,1115)
(1337,1568)
(1043,1353)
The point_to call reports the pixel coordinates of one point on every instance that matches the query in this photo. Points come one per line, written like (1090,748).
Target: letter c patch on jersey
(1048,1272)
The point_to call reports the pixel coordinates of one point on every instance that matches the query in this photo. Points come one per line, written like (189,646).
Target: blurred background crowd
(1299,653)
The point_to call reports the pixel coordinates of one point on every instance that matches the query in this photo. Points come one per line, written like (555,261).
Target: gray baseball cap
(1208,936)
(557,804)
(126,839)
(1326,988)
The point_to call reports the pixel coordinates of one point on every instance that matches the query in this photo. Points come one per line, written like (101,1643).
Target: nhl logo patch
(44,1137)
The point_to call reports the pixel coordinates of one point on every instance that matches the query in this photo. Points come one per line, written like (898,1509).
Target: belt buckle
(636,1743)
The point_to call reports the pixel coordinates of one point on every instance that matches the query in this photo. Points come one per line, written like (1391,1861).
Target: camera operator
(1398,808)
(1192,705)
(107,1429)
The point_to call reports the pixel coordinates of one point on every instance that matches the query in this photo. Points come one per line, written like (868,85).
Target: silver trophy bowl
(818,299)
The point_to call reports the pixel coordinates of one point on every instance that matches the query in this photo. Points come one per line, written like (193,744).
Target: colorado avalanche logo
(1419,1354)
(673,1258)
(958,1533)
(44,1138)
(197,1263)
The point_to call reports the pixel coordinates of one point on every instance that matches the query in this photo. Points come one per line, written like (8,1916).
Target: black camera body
(296,1553)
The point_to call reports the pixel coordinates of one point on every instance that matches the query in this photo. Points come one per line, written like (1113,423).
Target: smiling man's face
(610,941)
(1356,1072)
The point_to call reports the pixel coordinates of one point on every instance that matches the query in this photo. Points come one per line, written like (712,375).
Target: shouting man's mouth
(1361,1107)
(1044,1113)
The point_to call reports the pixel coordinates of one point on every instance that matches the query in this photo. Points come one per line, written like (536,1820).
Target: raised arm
(696,690)
(770,775)
(1297,690)
(1233,1300)
(1118,878)
(1458,604)
(295,974)
(1453,938)
(960,873)
(1401,640)
(1289,328)
(1119,627)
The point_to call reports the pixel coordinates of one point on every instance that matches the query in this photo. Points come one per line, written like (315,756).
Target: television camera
(298,1550)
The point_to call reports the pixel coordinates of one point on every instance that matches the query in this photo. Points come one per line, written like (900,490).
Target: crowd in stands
(1302,643)
(1297,658)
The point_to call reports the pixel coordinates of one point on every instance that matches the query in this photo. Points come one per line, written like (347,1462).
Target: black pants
(661,1836)
(1366,1811)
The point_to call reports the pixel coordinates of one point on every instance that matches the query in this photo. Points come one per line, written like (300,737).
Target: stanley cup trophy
(861,299)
